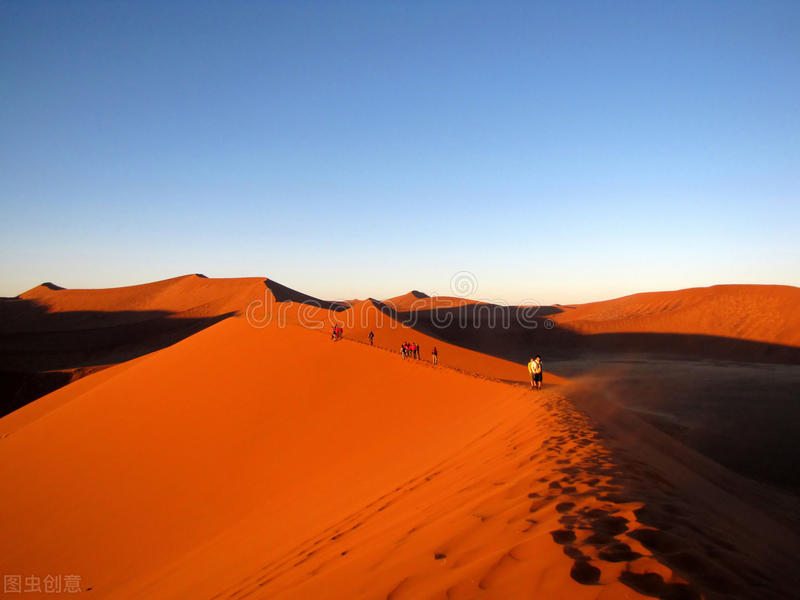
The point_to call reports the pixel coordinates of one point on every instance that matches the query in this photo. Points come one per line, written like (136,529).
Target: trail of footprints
(598,535)
(309,549)
(663,521)
(594,537)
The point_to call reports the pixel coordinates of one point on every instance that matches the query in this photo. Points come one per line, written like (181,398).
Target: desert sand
(202,447)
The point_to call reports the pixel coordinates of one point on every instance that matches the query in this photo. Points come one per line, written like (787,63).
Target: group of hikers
(412,350)
(409,350)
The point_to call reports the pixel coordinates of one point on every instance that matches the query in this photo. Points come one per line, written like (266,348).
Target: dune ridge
(759,313)
(263,462)
(50,335)
(255,457)
(170,464)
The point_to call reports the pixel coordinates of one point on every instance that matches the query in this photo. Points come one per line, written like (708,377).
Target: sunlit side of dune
(258,458)
(228,451)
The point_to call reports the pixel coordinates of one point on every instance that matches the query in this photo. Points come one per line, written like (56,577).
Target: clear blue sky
(562,152)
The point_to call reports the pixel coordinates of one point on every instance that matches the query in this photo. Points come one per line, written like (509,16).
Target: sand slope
(226,454)
(50,336)
(760,313)
(272,463)
(256,458)
(196,293)
(748,323)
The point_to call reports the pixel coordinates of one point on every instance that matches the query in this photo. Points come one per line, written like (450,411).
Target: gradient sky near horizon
(560,152)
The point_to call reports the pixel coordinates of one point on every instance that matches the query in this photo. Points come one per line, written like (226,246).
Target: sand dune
(196,294)
(267,460)
(747,323)
(273,463)
(391,332)
(253,457)
(758,313)
(50,327)
(416,300)
(50,336)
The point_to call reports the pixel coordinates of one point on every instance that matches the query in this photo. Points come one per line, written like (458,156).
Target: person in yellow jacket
(535,371)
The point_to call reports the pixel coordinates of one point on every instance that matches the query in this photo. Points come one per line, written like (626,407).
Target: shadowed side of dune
(742,415)
(745,323)
(41,351)
(18,388)
(732,537)
(509,333)
(731,399)
(283,293)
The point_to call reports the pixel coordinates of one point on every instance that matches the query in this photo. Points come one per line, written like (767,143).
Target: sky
(548,152)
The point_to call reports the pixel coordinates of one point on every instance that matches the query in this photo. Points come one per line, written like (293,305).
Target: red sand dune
(259,459)
(50,336)
(195,295)
(747,323)
(241,457)
(416,300)
(761,313)
(364,317)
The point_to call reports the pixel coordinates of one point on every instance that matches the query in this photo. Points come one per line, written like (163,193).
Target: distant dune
(230,449)
(757,313)
(197,294)
(50,335)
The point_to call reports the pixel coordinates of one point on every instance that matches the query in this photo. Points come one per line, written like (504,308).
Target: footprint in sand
(573,552)
(608,524)
(563,536)
(569,521)
(653,584)
(584,572)
(564,507)
(618,552)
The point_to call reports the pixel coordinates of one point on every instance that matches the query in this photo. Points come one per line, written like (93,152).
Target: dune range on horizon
(204,438)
